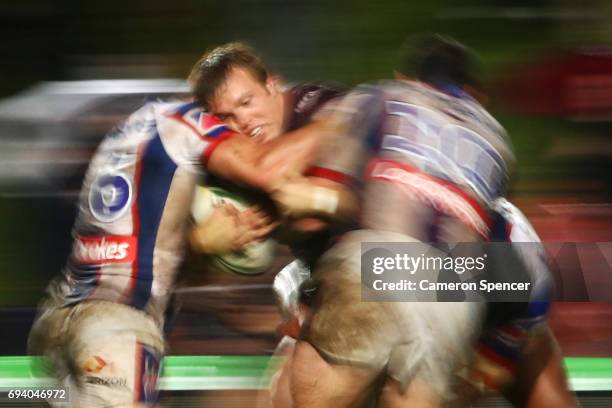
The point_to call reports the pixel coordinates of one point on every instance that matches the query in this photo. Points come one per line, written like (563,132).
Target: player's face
(249,106)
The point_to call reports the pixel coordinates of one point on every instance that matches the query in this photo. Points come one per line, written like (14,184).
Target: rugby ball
(256,257)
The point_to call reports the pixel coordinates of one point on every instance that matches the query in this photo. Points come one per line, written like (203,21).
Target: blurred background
(72,69)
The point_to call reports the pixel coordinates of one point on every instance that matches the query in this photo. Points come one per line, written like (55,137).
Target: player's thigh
(114,354)
(275,390)
(280,387)
(316,383)
(342,327)
(437,348)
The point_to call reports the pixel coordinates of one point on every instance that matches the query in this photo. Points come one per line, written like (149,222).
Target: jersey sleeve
(191,135)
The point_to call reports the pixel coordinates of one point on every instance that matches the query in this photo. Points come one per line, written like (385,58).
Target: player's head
(233,82)
(436,60)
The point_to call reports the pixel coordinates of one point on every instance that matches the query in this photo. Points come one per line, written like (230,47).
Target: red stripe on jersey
(396,172)
(495,357)
(329,174)
(135,220)
(213,144)
(208,123)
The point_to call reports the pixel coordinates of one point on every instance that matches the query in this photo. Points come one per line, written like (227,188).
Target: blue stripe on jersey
(499,228)
(156,176)
(217,132)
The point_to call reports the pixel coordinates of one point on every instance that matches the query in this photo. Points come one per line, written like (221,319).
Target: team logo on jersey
(110,196)
(116,382)
(105,249)
(94,364)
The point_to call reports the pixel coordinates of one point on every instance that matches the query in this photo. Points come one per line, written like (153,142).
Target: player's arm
(300,147)
(316,197)
(330,194)
(264,166)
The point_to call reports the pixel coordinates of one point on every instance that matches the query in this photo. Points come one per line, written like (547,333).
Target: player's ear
(273,84)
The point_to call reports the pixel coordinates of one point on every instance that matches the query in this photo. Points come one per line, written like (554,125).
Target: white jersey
(519,229)
(419,151)
(514,227)
(129,235)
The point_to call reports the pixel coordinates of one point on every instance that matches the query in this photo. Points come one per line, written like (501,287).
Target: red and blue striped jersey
(130,231)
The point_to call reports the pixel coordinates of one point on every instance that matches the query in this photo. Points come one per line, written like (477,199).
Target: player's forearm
(302,198)
(266,166)
(238,161)
(295,151)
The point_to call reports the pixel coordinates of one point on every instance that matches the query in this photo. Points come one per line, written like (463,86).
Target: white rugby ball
(256,257)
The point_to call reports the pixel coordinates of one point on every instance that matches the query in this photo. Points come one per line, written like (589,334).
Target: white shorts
(429,340)
(107,354)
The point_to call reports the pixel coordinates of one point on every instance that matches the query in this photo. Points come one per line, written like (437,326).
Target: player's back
(432,157)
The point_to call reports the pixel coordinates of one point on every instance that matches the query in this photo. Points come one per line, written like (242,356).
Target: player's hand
(229,229)
(253,224)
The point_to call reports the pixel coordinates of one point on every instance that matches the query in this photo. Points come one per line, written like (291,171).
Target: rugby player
(259,106)
(276,108)
(522,353)
(517,354)
(421,143)
(237,91)
(102,321)
(234,83)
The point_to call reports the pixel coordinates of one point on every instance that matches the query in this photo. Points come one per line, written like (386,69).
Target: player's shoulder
(306,100)
(178,110)
(312,92)
(394,86)
(403,91)
(190,116)
(364,94)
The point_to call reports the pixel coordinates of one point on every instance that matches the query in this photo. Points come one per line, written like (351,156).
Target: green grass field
(185,373)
